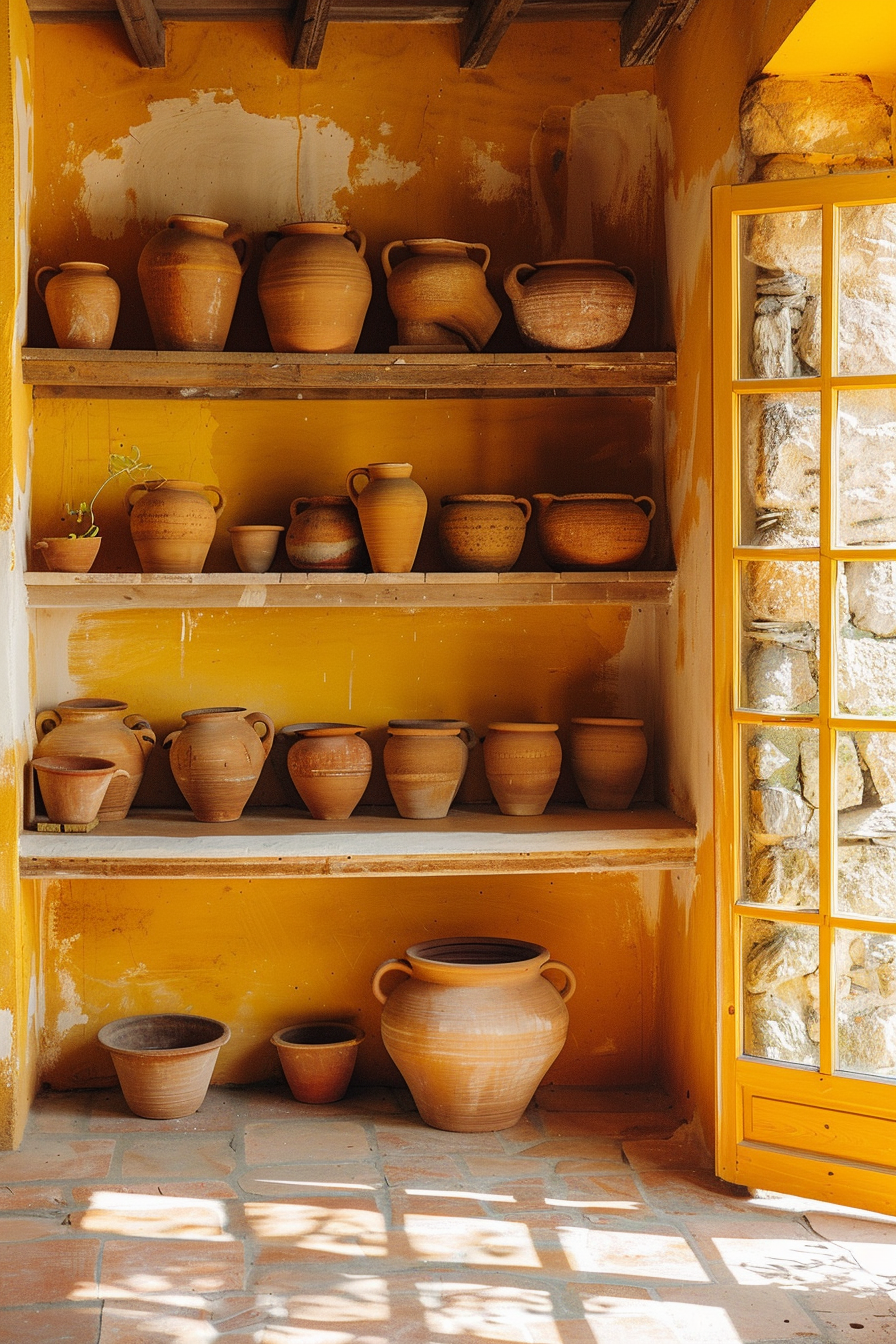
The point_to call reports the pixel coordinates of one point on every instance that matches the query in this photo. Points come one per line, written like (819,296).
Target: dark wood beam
(145,31)
(341,11)
(307,32)
(482,30)
(645,26)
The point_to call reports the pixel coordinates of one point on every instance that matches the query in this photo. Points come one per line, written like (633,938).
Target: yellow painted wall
(839,37)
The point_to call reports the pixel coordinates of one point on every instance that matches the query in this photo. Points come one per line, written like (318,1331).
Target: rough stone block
(866,1036)
(867,675)
(787,167)
(832,114)
(781,438)
(765,759)
(866,880)
(879,754)
(781,876)
(867,432)
(772,345)
(871,587)
(792,950)
(777,814)
(779,678)
(775,1030)
(781,590)
(850,783)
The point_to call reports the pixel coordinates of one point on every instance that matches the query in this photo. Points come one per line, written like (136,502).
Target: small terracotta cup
(254,546)
(318,1059)
(73,787)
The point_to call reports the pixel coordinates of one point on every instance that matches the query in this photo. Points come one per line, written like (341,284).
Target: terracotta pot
(522,765)
(425,762)
(69,555)
(608,757)
(324,534)
(73,787)
(315,287)
(318,1059)
(217,758)
(592,531)
(483,532)
(99,728)
(83,301)
(190,274)
(164,1061)
(172,524)
(392,509)
(330,767)
(254,546)
(571,305)
(474,1029)
(439,293)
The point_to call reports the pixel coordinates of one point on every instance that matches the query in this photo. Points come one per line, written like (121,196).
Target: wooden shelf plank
(342,11)
(280,842)
(139,374)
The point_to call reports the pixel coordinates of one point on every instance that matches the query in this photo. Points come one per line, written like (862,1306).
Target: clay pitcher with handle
(439,293)
(217,758)
(99,728)
(173,524)
(82,301)
(571,305)
(190,274)
(392,509)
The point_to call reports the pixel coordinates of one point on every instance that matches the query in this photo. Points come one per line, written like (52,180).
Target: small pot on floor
(164,1061)
(318,1059)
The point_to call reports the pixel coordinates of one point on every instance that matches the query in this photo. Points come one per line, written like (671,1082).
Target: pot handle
(271,239)
(219,507)
(171,739)
(118,774)
(267,737)
(480,247)
(47,719)
(396,964)
(350,482)
(386,255)
(128,501)
(42,291)
(145,735)
(41,546)
(469,735)
(570,987)
(512,286)
(645,499)
(359,239)
(629,275)
(298,504)
(234,236)
(526,508)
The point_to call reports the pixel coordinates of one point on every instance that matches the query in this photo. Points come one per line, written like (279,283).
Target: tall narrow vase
(392,509)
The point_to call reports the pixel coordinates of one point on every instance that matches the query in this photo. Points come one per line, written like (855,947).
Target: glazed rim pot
(330,766)
(318,1059)
(190,277)
(576,304)
(73,787)
(173,524)
(217,758)
(392,510)
(608,758)
(324,534)
(82,302)
(439,293)
(314,287)
(425,762)
(99,728)
(474,1027)
(593,531)
(483,533)
(164,1061)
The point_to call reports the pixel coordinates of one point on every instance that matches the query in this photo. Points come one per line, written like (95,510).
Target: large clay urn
(522,765)
(483,533)
(330,766)
(324,534)
(425,762)
(438,293)
(315,287)
(172,524)
(608,757)
(82,301)
(474,1028)
(592,531)
(392,509)
(571,305)
(99,728)
(190,274)
(217,758)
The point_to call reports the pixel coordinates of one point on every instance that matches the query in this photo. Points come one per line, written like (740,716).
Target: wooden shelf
(123,592)
(177,376)
(280,842)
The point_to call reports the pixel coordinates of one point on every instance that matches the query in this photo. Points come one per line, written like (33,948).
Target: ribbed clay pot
(73,787)
(99,728)
(522,765)
(608,757)
(330,766)
(69,555)
(82,301)
(571,305)
(592,531)
(474,1028)
(425,762)
(483,533)
(439,293)
(324,534)
(217,758)
(392,509)
(190,276)
(172,524)
(254,546)
(318,1059)
(164,1061)
(315,287)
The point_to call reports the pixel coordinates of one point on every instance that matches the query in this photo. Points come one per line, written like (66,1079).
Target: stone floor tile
(716,1315)
(622,1320)
(154,1323)
(44,1158)
(454,1203)
(459,1239)
(442,1173)
(279,1232)
(50,1325)
(61,1270)
(155,1215)
(870,1241)
(550,1098)
(607,1193)
(521,1135)
(311,1180)
(598,1150)
(678,1191)
(281,1141)
(28,1229)
(496,1170)
(860,1324)
(59,1113)
(598,1165)
(109,1113)
(172,1155)
(777,1254)
(407,1136)
(685,1149)
(30,1198)
(653,1252)
(84,1194)
(136,1267)
(608,1124)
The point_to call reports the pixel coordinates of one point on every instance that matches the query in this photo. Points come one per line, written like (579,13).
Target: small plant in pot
(75,553)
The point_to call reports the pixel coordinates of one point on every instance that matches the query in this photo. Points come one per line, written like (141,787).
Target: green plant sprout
(119,465)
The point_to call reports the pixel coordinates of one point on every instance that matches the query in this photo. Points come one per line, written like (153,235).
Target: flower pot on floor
(164,1061)
(318,1059)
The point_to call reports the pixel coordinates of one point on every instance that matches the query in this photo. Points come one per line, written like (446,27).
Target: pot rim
(312,226)
(74,765)
(322,729)
(523,727)
(562,499)
(82,265)
(168,1051)
(217,711)
(530,953)
(157,482)
(88,706)
(257,527)
(96,539)
(197,219)
(479,499)
(325,500)
(426,727)
(576,261)
(610,723)
(355,1037)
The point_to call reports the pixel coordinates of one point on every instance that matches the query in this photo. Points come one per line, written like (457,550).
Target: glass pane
(781,840)
(779,298)
(780,636)
(780,967)
(866,449)
(866,829)
(780,438)
(866,1002)
(866,648)
(868,289)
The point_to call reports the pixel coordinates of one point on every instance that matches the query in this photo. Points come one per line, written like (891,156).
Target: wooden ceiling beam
(645,26)
(341,11)
(307,31)
(482,30)
(145,31)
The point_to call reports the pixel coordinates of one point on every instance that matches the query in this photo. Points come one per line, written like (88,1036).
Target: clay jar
(172,524)
(608,757)
(164,1061)
(190,276)
(474,1028)
(522,764)
(69,555)
(315,287)
(330,767)
(392,509)
(483,533)
(324,534)
(318,1059)
(83,301)
(439,293)
(571,305)
(425,761)
(73,787)
(217,758)
(254,546)
(99,728)
(592,531)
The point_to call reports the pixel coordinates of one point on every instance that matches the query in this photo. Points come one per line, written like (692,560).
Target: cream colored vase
(314,287)
(439,294)
(474,1028)
(173,524)
(571,305)
(608,757)
(99,728)
(392,509)
(217,758)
